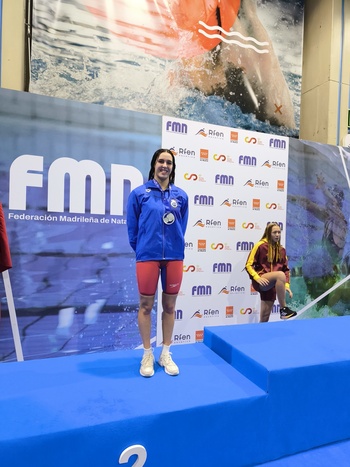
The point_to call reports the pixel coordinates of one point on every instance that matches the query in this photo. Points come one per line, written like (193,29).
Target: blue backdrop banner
(66,169)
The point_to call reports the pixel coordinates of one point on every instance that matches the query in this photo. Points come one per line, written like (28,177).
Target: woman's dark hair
(153,163)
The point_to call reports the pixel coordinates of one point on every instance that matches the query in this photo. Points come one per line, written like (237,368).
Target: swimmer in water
(331,214)
(245,73)
(327,261)
(218,47)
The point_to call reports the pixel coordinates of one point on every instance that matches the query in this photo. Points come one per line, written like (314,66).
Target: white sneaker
(147,365)
(170,367)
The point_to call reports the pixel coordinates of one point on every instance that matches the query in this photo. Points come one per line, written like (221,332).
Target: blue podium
(248,394)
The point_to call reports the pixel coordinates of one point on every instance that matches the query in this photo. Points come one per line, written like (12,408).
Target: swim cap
(168,29)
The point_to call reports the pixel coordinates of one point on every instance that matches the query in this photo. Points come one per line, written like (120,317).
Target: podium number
(137,449)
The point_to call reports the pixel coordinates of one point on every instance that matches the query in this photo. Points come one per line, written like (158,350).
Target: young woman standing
(157,217)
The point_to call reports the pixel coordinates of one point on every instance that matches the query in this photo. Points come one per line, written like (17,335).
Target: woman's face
(275,234)
(163,167)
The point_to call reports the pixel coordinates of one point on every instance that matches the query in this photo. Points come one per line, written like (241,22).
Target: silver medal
(168,218)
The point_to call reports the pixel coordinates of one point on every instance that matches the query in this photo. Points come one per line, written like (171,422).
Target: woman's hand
(263,281)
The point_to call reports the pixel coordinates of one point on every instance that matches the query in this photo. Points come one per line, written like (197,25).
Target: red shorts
(265,295)
(147,274)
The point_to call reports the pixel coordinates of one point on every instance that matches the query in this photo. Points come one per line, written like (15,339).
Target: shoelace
(167,360)
(147,360)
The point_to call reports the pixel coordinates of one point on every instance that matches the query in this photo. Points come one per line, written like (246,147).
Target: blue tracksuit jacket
(149,236)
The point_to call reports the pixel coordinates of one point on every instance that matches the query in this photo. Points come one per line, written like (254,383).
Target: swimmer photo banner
(318,234)
(224,62)
(236,181)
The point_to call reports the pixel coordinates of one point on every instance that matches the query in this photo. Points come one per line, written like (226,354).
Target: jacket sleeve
(132,219)
(184,214)
(251,260)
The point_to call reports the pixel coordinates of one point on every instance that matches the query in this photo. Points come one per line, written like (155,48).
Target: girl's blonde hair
(274,249)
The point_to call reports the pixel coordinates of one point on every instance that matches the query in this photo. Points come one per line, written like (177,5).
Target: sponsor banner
(236,181)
